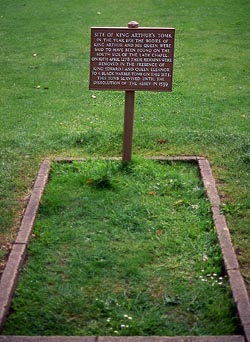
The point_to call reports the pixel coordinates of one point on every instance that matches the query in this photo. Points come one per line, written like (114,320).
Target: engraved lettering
(136,59)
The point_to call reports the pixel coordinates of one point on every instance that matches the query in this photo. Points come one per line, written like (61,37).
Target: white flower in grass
(127,316)
(205,258)
(194,206)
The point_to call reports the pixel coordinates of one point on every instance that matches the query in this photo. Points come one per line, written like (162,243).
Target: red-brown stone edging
(18,252)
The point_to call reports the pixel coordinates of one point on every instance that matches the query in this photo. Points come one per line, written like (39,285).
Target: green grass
(206,114)
(118,249)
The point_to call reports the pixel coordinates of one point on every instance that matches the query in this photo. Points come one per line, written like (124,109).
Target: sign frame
(132,58)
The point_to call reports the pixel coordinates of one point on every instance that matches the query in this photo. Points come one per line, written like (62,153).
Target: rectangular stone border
(237,338)
(17,256)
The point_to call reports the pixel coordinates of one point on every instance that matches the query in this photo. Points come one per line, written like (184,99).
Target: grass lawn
(46,109)
(122,249)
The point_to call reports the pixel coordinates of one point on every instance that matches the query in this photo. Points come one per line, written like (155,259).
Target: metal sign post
(131,58)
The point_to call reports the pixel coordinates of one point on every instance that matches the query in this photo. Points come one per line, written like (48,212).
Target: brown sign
(131,58)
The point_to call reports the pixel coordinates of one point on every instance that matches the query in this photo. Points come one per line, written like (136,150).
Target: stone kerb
(18,252)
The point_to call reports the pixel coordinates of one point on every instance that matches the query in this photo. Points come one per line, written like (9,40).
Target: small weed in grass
(123,249)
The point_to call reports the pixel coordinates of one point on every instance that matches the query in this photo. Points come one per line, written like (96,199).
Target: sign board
(131,58)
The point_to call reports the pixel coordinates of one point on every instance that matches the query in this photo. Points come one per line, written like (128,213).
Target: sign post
(131,59)
(128,125)
(128,116)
